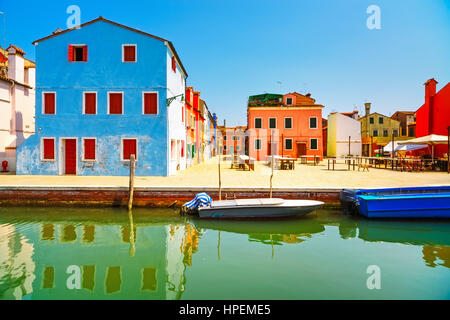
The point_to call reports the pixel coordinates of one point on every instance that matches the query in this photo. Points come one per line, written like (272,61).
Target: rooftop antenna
(279,82)
(4,28)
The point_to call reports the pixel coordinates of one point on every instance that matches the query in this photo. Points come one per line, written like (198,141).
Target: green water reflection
(62,253)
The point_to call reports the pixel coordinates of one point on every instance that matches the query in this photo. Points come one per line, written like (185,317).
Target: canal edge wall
(156,197)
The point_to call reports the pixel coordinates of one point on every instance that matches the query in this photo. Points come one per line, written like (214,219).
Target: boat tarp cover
(201,200)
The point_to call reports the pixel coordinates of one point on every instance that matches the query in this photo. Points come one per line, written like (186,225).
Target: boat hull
(406,206)
(288,208)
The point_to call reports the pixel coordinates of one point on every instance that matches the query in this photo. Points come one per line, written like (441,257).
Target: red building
(433,117)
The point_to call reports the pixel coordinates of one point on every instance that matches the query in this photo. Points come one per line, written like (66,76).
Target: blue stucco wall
(104,71)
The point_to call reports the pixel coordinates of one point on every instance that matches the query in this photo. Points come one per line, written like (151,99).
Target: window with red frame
(49,149)
(150,103)
(49,103)
(78,53)
(174,65)
(182,149)
(129,148)
(90,103)
(89,149)
(129,53)
(115,103)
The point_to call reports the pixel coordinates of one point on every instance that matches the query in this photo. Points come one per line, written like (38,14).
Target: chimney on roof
(16,62)
(430,89)
(430,92)
(367,107)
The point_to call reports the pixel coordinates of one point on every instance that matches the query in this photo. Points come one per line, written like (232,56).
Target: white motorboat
(258,208)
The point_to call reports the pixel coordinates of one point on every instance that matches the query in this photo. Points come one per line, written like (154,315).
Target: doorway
(70,156)
(301,149)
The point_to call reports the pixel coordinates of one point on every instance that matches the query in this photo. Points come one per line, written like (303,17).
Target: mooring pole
(132,236)
(131,187)
(271,164)
(220,182)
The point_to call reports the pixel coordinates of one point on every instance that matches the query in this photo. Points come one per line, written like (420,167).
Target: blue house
(105,91)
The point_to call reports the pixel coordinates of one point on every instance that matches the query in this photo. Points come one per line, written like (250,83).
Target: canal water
(61,253)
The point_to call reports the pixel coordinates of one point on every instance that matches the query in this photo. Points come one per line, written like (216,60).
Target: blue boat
(417,202)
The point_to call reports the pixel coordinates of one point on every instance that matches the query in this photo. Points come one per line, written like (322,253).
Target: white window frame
(292,101)
(255,123)
(317,143)
(157,103)
(260,144)
(96,102)
(135,52)
(82,149)
(121,148)
(275,122)
(292,144)
(54,149)
(317,123)
(123,104)
(285,123)
(43,102)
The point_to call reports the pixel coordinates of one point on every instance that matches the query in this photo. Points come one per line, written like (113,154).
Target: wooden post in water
(131,187)
(271,164)
(220,182)
(132,241)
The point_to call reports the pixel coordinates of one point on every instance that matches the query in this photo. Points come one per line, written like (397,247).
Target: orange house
(287,125)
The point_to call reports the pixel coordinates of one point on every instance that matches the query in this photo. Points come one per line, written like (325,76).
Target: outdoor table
(287,163)
(246,160)
(304,159)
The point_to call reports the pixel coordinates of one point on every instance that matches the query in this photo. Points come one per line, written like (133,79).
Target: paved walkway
(206,175)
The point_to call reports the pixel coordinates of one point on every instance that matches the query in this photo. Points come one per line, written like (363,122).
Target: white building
(17,102)
(343,135)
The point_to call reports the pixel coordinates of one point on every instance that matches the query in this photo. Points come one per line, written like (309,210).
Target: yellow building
(377,131)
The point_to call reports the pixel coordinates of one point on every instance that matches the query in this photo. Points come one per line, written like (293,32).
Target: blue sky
(233,49)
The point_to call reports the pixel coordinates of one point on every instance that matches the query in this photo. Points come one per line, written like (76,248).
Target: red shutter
(174,64)
(49,103)
(89,149)
(90,103)
(129,53)
(84,53)
(150,103)
(115,103)
(49,149)
(129,148)
(70,52)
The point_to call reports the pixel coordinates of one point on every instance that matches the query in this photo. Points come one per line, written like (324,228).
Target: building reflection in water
(117,259)
(436,255)
(16,263)
(126,257)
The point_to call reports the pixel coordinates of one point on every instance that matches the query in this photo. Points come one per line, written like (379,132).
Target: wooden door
(70,155)
(301,149)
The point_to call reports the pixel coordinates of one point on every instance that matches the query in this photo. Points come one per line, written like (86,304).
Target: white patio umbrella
(431,139)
